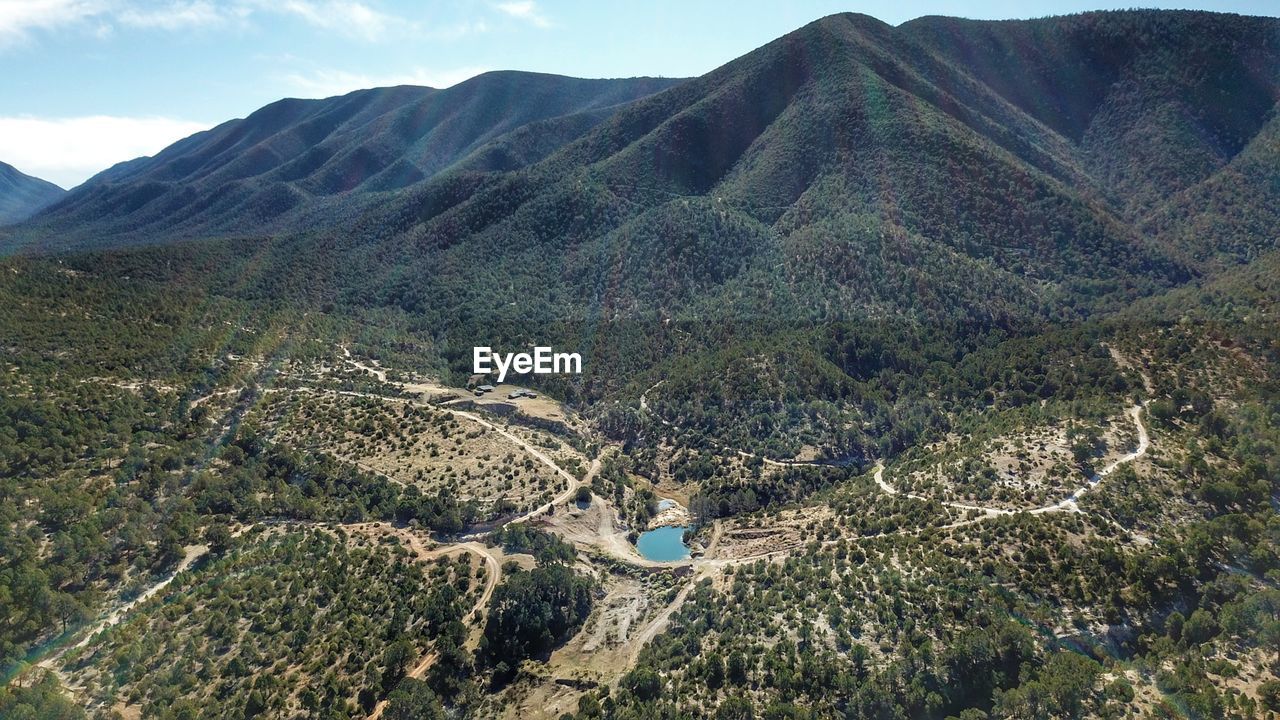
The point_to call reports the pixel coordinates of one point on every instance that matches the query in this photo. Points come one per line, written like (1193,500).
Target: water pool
(665,544)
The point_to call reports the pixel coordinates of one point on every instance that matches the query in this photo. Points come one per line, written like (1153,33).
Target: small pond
(665,544)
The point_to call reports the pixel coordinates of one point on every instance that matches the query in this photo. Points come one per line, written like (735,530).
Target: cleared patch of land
(433,449)
(1033,463)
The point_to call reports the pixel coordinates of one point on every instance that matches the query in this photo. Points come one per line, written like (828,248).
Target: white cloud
(455,30)
(326,83)
(177,15)
(19,17)
(526,10)
(67,151)
(346,16)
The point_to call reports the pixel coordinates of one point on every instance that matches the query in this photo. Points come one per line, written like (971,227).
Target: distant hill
(276,168)
(22,196)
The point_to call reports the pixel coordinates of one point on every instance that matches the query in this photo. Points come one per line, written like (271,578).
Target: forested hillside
(926,177)
(296,163)
(22,196)
(951,347)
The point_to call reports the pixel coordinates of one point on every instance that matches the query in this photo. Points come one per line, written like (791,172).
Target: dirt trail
(492,575)
(214,394)
(524,445)
(603,532)
(1065,505)
(376,372)
(659,623)
(606,535)
(375,471)
(537,454)
(1144,443)
(540,457)
(191,553)
(424,553)
(644,400)
(369,529)
(891,490)
(1127,364)
(49,663)
(1069,503)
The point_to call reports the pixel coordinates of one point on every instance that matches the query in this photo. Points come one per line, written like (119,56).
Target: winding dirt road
(606,534)
(534,452)
(1068,504)
(1144,443)
(572,481)
(659,623)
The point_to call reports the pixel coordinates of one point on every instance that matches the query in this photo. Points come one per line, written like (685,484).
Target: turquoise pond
(665,544)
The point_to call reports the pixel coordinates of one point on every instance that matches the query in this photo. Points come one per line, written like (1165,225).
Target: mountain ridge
(292,154)
(841,140)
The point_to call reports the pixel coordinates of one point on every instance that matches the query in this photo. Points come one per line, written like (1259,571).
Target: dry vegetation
(1033,463)
(431,448)
(291,621)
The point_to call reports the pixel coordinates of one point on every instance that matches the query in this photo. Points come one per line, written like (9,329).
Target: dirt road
(1068,504)
(659,623)
(191,553)
(605,535)
(425,554)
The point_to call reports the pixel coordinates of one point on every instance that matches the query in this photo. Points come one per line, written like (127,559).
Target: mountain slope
(917,177)
(820,171)
(978,135)
(294,158)
(837,121)
(1154,101)
(1234,214)
(22,196)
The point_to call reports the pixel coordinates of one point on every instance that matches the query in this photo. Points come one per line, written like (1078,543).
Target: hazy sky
(87,83)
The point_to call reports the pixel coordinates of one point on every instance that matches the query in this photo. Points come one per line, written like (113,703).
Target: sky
(85,84)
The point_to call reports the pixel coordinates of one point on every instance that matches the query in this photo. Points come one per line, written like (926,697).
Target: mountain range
(289,161)
(1126,128)
(980,177)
